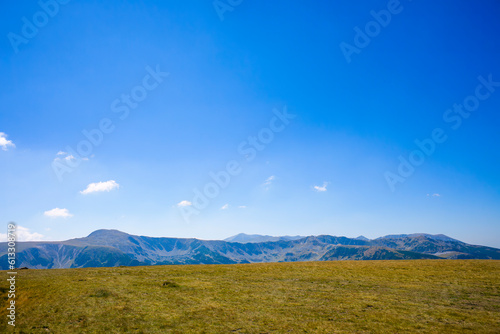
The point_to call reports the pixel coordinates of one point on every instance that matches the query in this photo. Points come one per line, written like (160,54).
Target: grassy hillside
(426,296)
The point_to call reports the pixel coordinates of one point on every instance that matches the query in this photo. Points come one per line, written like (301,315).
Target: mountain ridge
(255,238)
(108,248)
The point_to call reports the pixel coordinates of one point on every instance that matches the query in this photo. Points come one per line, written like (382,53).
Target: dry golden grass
(428,296)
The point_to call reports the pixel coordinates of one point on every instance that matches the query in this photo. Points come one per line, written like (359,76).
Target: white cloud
(100,186)
(184,203)
(434,195)
(61,155)
(242,207)
(23,234)
(269,180)
(225,207)
(321,188)
(4,143)
(58,213)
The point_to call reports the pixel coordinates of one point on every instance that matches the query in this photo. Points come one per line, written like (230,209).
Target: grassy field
(419,296)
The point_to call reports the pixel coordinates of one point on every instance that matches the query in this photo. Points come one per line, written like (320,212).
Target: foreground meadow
(418,296)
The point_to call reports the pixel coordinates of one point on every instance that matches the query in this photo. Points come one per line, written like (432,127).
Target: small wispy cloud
(321,188)
(65,156)
(268,182)
(242,207)
(4,143)
(184,203)
(100,186)
(225,207)
(58,213)
(23,234)
(433,195)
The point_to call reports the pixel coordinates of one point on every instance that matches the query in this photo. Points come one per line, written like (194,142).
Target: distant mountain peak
(246,235)
(106,233)
(255,238)
(362,237)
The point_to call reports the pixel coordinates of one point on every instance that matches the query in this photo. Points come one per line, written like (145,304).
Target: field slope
(417,296)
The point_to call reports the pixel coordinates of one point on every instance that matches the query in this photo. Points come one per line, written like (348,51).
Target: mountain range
(110,248)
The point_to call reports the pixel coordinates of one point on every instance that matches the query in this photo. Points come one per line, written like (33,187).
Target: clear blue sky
(353,120)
